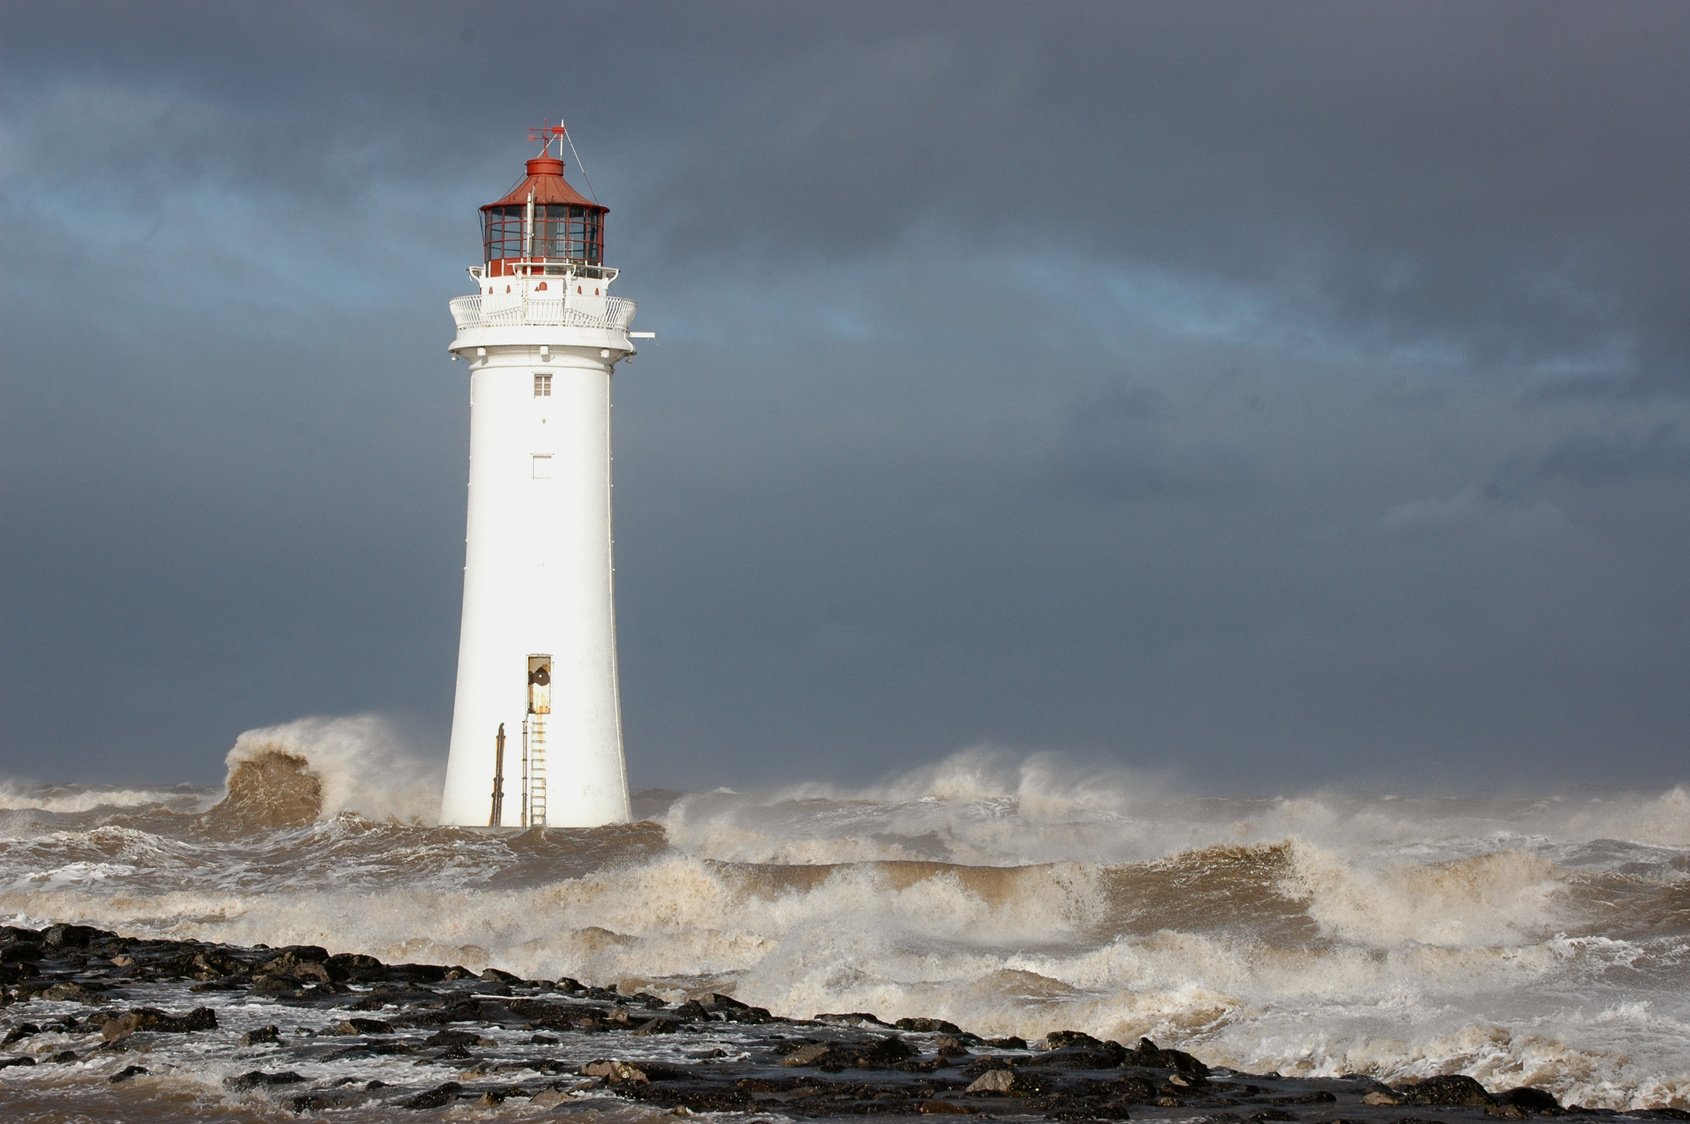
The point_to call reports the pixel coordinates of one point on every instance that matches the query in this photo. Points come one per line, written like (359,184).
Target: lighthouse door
(534,740)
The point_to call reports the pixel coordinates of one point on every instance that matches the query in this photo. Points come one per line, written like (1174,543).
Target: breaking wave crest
(311,768)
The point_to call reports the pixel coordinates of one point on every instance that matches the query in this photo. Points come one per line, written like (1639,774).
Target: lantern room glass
(562,232)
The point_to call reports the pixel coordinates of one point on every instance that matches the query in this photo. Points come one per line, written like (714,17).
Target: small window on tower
(542,384)
(542,466)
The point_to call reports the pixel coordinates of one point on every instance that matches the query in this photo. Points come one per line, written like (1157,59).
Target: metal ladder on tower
(536,770)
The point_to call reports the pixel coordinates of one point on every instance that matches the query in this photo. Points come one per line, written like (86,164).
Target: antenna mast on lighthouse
(537,646)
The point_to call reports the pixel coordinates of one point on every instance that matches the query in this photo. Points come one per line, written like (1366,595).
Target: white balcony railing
(613,313)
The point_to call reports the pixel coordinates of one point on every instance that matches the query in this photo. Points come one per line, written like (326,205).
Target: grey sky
(1271,393)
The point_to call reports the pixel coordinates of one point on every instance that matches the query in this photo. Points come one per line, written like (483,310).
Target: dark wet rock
(345,966)
(616,1072)
(313,1102)
(200,964)
(153,1019)
(378,1049)
(921,1065)
(974,1067)
(1450,1089)
(228,984)
(259,1079)
(929,1026)
(695,1099)
(20,1030)
(1104,1055)
(951,1048)
(437,1097)
(1001,1082)
(691,1011)
(542,1014)
(619,1072)
(1135,1090)
(877,1053)
(72,992)
(306,973)
(1530,1099)
(20,952)
(128,1072)
(417,973)
(7,1063)
(69,936)
(1067,1039)
(851,1065)
(853,1018)
(1147,1053)
(714,1005)
(450,1038)
(1060,1107)
(294,957)
(361,1026)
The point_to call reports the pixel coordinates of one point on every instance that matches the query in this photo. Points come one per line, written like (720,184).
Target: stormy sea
(1539,942)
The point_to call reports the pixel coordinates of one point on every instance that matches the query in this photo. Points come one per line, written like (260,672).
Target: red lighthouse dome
(542,221)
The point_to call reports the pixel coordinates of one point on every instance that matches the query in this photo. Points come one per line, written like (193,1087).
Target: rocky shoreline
(298,1031)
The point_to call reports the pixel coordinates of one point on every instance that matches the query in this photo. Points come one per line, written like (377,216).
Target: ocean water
(1522,941)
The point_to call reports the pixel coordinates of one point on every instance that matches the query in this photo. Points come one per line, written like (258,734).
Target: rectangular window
(542,466)
(542,384)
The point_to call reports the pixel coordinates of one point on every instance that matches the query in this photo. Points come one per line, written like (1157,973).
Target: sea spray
(358,764)
(1502,898)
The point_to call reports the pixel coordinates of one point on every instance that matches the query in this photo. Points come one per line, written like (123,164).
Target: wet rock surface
(298,1030)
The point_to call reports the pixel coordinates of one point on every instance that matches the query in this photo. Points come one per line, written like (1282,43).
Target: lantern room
(543,226)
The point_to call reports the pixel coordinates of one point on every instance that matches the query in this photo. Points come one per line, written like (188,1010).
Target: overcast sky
(1273,394)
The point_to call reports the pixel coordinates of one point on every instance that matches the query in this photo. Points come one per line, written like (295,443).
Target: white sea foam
(22,796)
(1663,819)
(1502,898)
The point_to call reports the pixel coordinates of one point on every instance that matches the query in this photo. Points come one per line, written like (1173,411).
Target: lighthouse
(536,719)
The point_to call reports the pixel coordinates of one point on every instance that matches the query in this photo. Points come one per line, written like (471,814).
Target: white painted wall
(537,574)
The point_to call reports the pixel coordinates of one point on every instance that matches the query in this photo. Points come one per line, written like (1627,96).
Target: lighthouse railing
(613,313)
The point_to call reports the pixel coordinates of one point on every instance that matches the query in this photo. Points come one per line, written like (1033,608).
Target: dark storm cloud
(1293,390)
(1613,458)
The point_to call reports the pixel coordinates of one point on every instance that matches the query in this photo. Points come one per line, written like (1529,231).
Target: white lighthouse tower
(536,722)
